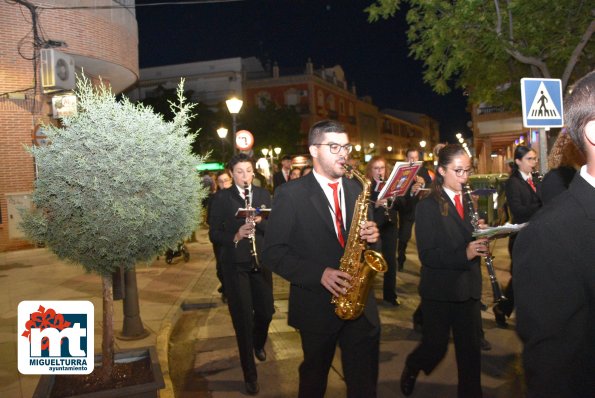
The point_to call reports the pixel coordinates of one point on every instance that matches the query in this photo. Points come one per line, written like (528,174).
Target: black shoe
(483,306)
(500,317)
(485,345)
(408,378)
(393,302)
(220,289)
(260,354)
(252,387)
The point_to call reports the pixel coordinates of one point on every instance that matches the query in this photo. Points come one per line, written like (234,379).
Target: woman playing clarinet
(450,282)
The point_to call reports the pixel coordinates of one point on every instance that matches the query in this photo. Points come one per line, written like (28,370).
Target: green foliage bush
(117,185)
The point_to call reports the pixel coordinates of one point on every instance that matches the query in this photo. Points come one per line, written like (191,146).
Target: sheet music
(500,231)
(400,179)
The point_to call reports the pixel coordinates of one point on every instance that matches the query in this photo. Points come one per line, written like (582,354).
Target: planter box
(147,390)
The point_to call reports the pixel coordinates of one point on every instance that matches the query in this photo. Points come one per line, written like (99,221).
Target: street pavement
(191,328)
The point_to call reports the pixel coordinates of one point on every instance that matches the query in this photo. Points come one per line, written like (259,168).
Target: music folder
(400,179)
(258,211)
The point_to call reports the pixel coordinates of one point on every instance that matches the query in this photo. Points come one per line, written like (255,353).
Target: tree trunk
(107,346)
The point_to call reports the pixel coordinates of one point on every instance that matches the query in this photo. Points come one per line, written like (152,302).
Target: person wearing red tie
(450,278)
(523,196)
(282,176)
(306,234)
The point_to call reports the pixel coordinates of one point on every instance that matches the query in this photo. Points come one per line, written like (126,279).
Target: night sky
(373,56)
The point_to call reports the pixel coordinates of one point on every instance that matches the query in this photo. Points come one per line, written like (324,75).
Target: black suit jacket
(223,224)
(442,239)
(554,288)
(300,243)
(522,201)
(406,203)
(278,179)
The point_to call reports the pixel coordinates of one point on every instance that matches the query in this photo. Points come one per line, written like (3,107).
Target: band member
(223,181)
(450,282)
(386,218)
(249,293)
(305,240)
(523,195)
(282,176)
(406,206)
(554,273)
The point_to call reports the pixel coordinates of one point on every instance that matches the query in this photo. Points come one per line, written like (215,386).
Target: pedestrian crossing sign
(542,102)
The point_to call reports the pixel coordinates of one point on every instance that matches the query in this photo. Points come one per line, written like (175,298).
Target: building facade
(37,68)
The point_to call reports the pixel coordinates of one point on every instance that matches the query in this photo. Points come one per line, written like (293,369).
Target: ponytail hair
(445,157)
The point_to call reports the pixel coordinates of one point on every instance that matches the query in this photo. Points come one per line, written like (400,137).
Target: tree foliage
(486,47)
(117,184)
(273,125)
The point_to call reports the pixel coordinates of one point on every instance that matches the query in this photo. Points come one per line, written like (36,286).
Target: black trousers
(464,319)
(218,266)
(405,229)
(388,237)
(359,341)
(250,303)
(507,306)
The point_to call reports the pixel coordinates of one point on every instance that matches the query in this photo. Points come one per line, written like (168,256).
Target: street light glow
(264,151)
(389,148)
(372,145)
(358,147)
(234,105)
(222,132)
(422,143)
(459,136)
(277,150)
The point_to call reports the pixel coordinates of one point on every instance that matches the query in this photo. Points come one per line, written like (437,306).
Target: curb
(166,327)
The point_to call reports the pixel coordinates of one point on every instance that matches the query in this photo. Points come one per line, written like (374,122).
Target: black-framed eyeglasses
(336,148)
(461,172)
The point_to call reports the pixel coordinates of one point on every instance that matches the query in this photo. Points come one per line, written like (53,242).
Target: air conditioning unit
(57,70)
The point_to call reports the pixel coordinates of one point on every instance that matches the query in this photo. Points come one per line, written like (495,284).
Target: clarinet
(497,291)
(250,215)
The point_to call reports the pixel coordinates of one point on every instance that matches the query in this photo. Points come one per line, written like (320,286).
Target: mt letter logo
(56,337)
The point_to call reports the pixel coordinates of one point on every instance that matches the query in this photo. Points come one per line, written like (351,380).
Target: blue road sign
(542,102)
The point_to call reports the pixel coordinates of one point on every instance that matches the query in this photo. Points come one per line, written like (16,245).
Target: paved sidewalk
(37,274)
(181,301)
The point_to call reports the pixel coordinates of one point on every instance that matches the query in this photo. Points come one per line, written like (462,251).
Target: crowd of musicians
(305,235)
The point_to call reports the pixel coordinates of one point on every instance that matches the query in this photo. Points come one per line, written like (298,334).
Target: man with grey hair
(307,233)
(554,281)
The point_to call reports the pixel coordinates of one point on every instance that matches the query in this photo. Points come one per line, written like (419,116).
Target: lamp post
(422,145)
(222,133)
(233,106)
(272,153)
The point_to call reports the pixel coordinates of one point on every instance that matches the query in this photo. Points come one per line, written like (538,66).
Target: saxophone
(358,261)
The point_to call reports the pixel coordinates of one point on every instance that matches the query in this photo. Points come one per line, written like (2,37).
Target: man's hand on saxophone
(369,232)
(335,281)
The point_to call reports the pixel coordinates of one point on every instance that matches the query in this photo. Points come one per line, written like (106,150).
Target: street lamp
(222,133)
(233,106)
(271,153)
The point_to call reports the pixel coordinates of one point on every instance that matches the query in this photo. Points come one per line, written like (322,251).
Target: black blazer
(223,224)
(446,274)
(406,203)
(554,289)
(522,200)
(278,179)
(300,243)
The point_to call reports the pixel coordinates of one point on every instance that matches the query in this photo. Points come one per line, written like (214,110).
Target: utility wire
(173,3)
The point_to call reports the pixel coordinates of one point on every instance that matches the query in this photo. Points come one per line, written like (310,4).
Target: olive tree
(117,185)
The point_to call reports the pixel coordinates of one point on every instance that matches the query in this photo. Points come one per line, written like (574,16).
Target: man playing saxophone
(305,240)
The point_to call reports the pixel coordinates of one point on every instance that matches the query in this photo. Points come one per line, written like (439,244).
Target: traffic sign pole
(543,151)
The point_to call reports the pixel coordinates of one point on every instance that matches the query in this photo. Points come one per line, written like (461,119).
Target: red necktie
(459,206)
(338,214)
(530,182)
